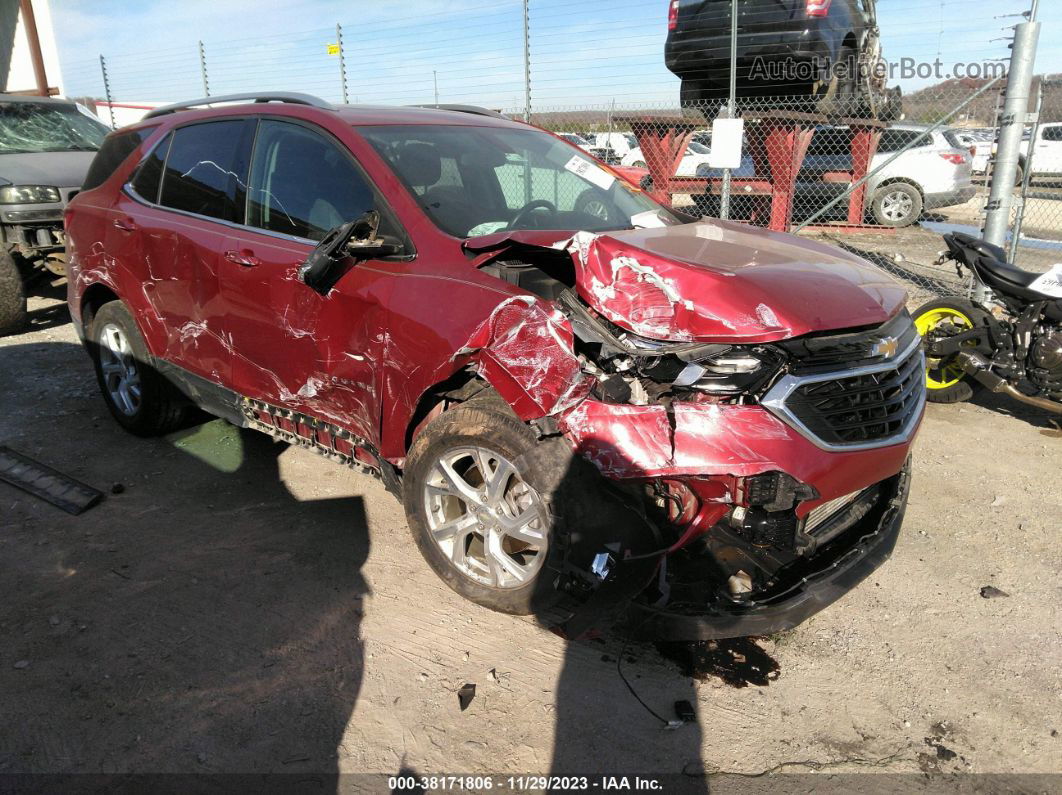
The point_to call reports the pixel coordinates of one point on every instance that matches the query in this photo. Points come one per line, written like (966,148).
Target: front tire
(476,508)
(140,399)
(12,296)
(946,382)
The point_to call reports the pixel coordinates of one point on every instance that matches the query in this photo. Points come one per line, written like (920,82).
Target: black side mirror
(341,248)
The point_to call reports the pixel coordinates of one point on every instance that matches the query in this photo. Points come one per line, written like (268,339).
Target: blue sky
(583,52)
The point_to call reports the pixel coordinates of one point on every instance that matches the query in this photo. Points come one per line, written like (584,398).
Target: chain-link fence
(821,164)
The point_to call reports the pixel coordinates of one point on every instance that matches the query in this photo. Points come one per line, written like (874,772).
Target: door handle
(124,225)
(244,257)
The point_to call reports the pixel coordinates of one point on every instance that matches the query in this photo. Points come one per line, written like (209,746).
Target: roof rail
(475,109)
(291,97)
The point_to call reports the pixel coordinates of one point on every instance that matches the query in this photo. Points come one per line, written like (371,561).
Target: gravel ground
(237,606)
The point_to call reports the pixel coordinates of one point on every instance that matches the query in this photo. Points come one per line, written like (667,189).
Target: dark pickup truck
(827,51)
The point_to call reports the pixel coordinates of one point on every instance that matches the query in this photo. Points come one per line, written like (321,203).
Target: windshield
(479,180)
(697,148)
(47,127)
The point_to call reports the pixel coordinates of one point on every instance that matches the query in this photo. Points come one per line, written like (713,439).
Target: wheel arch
(904,180)
(94,297)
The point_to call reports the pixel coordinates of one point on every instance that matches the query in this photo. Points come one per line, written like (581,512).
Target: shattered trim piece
(48,484)
(334,443)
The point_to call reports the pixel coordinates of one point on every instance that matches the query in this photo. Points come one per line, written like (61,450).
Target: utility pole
(527,67)
(435,80)
(724,197)
(342,63)
(1012,125)
(203,70)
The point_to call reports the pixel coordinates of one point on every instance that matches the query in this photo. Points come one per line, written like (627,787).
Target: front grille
(861,408)
(833,350)
(870,406)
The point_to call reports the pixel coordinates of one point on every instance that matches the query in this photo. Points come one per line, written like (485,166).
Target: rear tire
(12,295)
(140,399)
(946,382)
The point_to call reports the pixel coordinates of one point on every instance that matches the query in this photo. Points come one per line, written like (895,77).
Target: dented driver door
(292,347)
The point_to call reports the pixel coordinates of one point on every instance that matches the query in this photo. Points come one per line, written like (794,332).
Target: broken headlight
(28,194)
(734,371)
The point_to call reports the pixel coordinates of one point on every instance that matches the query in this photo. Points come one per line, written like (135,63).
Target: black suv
(825,50)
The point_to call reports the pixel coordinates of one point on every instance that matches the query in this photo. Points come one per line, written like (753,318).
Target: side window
(1053,133)
(148,176)
(206,170)
(115,149)
(302,184)
(895,140)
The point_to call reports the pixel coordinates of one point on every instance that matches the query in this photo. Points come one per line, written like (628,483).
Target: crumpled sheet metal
(651,296)
(625,441)
(525,350)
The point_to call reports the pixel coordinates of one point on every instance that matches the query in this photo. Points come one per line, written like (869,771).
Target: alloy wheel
(487,521)
(121,376)
(896,206)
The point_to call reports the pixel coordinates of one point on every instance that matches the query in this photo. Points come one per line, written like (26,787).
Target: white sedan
(696,155)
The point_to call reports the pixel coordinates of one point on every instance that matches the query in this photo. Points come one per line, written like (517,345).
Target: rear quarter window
(116,148)
(895,140)
(148,176)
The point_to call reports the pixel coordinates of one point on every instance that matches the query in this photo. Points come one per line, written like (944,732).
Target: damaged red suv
(590,405)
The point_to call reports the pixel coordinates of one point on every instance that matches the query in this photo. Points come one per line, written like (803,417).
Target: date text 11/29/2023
(531,783)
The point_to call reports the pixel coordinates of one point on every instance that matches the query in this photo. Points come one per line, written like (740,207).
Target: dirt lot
(237,606)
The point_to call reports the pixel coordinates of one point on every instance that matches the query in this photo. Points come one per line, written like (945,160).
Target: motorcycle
(1012,345)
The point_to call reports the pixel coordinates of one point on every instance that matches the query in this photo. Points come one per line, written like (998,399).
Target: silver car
(46,147)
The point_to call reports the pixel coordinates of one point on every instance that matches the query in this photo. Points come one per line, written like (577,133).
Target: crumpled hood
(718,281)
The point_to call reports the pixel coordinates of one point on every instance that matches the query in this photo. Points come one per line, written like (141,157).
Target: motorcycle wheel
(945,380)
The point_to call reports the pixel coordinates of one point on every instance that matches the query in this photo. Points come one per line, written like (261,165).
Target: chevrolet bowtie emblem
(885,347)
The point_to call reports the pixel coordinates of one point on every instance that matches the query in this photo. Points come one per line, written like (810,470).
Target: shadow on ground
(225,638)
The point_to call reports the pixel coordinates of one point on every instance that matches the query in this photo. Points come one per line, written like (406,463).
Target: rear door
(293,347)
(187,194)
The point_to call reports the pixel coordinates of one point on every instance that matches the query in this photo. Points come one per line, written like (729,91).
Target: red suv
(588,402)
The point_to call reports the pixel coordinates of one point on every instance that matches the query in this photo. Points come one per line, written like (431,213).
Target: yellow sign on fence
(333,49)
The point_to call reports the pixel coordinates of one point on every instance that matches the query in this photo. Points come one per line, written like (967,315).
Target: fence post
(724,191)
(203,70)
(527,67)
(1026,177)
(107,89)
(342,63)
(1012,125)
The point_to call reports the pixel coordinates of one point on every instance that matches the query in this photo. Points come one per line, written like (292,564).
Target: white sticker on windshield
(595,175)
(487,228)
(650,219)
(1049,283)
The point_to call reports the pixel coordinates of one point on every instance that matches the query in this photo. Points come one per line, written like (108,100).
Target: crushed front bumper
(873,540)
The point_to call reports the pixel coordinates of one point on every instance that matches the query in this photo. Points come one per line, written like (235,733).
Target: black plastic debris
(50,485)
(684,711)
(465,695)
(991,592)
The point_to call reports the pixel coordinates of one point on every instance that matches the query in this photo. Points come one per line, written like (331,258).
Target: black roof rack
(291,97)
(475,109)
